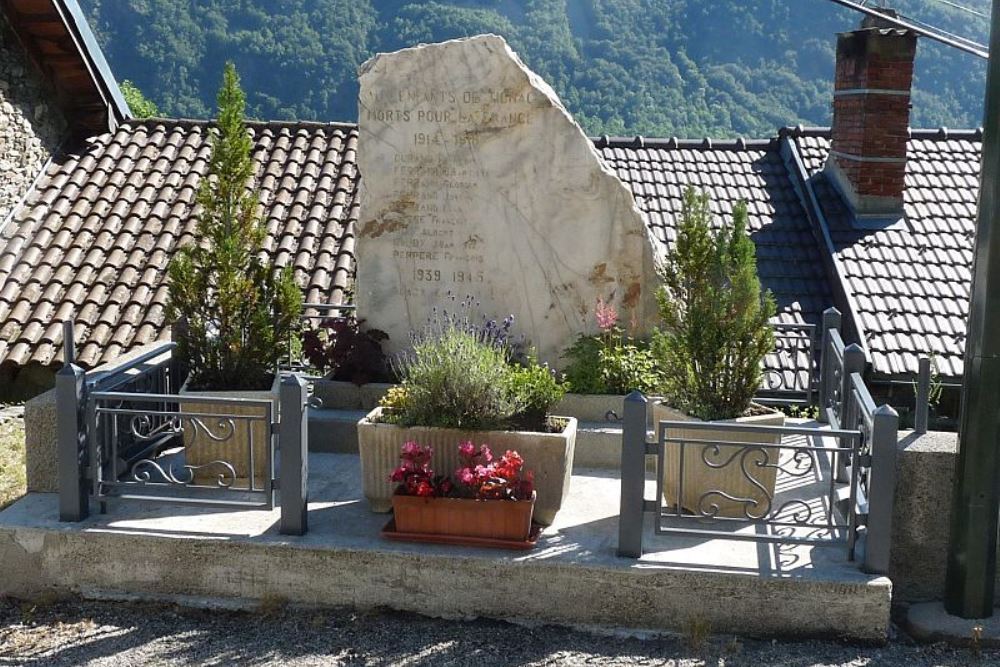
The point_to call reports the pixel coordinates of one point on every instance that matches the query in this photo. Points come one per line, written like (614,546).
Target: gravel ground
(74,632)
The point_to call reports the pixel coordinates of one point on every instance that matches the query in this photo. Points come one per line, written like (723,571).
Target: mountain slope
(681,68)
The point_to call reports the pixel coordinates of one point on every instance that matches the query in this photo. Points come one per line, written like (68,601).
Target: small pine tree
(715,332)
(235,312)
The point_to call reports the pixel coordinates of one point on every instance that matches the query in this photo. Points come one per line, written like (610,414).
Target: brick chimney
(871,117)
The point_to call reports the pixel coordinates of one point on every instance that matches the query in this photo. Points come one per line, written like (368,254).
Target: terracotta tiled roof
(94,238)
(910,279)
(788,256)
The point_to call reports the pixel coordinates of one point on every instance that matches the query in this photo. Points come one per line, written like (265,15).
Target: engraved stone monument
(477,181)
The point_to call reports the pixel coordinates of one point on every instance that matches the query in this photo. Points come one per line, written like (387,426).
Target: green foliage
(686,67)
(714,332)
(137,102)
(536,389)
(235,313)
(455,379)
(612,364)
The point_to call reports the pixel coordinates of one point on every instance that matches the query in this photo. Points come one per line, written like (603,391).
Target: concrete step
(334,431)
(572,577)
(598,444)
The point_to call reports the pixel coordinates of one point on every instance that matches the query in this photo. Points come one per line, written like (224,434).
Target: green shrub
(536,389)
(611,362)
(714,332)
(460,374)
(234,313)
(454,380)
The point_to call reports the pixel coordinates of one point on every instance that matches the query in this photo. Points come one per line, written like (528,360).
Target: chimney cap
(870,21)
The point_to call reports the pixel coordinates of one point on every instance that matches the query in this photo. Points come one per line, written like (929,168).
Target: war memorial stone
(477,181)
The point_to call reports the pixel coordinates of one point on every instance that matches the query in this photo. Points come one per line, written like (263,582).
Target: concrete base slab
(572,578)
(929,622)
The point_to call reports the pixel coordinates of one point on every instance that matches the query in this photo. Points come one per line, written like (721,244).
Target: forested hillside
(688,68)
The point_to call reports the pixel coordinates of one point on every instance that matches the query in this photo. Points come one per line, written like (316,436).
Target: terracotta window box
(464,517)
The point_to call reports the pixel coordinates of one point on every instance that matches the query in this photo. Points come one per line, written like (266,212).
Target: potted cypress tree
(234,311)
(711,343)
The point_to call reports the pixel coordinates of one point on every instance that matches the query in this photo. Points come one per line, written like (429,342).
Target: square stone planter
(211,442)
(727,491)
(548,455)
(463,517)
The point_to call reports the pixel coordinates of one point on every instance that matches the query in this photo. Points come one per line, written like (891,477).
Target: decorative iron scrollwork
(144,469)
(226,428)
(144,428)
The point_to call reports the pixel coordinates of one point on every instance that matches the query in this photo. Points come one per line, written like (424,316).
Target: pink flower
(465,476)
(467,449)
(607,315)
(485,453)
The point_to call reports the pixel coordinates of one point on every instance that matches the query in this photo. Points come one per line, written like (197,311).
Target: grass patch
(13,481)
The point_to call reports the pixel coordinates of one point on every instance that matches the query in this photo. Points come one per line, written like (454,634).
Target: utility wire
(961,43)
(968,10)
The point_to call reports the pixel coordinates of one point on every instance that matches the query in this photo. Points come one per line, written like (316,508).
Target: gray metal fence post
(71,444)
(633,476)
(881,490)
(923,397)
(293,445)
(854,362)
(831,321)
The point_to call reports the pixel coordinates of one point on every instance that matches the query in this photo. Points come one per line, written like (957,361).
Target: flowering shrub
(415,476)
(611,362)
(464,372)
(480,475)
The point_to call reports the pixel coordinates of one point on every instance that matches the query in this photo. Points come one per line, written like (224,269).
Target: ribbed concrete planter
(214,439)
(700,479)
(548,455)
(340,395)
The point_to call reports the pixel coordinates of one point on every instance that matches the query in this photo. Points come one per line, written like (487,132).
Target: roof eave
(76,22)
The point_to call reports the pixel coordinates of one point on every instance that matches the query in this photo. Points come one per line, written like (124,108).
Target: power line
(960,43)
(968,10)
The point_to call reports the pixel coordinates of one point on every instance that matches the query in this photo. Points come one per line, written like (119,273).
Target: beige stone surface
(477,181)
(40,442)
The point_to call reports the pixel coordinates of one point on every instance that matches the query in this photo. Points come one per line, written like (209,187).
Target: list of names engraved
(438,181)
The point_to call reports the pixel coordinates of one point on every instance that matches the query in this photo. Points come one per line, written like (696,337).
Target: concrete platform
(929,622)
(572,578)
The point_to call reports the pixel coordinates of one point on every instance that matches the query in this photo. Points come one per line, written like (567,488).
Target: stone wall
(925,472)
(31,126)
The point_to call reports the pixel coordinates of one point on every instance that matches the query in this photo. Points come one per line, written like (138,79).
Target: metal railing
(127,433)
(790,376)
(774,484)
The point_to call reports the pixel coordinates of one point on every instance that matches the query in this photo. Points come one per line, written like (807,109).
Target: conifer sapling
(234,310)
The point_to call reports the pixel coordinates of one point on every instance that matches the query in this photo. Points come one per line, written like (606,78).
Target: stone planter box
(701,479)
(464,517)
(548,455)
(210,440)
